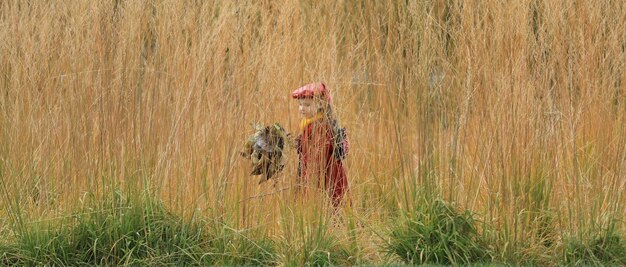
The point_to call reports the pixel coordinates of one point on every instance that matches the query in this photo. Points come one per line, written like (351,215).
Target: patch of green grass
(140,231)
(316,248)
(310,238)
(603,248)
(325,252)
(436,233)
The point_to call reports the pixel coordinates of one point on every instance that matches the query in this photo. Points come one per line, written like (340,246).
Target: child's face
(309,107)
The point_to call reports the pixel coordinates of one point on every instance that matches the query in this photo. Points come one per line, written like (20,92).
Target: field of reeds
(481,132)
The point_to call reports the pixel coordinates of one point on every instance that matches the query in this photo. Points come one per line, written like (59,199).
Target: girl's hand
(295,142)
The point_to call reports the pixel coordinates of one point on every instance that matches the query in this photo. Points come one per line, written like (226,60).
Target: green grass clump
(134,232)
(324,252)
(314,242)
(603,248)
(436,233)
(317,248)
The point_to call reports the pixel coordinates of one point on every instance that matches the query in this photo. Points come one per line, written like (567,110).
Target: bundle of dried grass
(265,149)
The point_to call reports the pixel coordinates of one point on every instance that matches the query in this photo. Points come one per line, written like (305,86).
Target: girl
(321,145)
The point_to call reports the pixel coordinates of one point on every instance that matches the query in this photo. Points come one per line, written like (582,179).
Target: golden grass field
(515,110)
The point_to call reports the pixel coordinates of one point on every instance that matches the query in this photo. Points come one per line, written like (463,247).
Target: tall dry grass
(514,110)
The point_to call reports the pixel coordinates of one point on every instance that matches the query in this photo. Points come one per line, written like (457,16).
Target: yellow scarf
(305,122)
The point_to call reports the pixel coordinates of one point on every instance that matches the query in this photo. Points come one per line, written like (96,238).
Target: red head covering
(312,90)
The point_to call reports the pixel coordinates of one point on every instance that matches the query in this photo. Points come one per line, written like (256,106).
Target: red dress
(317,163)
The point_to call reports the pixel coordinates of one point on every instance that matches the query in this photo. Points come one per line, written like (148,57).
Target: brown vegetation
(512,109)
